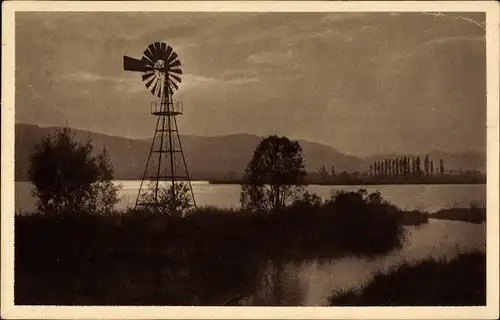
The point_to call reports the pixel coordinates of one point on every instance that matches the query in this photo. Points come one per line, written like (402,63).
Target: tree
(405,166)
(426,165)
(417,166)
(323,174)
(275,176)
(68,178)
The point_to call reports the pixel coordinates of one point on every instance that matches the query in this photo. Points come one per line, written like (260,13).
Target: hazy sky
(363,83)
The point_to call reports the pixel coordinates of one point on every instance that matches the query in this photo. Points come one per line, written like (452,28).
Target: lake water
(422,197)
(311,283)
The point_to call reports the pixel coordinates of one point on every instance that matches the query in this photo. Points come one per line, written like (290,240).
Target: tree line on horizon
(407,166)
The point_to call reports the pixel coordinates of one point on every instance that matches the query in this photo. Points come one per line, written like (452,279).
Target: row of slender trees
(407,166)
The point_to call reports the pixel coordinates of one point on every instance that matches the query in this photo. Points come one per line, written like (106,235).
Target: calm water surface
(422,197)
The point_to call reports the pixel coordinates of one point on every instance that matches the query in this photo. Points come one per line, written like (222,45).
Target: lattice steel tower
(166,167)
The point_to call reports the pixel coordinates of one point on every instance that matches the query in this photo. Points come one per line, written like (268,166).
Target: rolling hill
(207,157)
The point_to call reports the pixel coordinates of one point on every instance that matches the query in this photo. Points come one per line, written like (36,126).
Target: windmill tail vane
(161,72)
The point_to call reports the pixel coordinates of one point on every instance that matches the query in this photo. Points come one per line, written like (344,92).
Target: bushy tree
(275,176)
(68,178)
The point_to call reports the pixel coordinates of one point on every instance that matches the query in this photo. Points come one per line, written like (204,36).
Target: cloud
(242,80)
(453,39)
(193,80)
(342,17)
(127,83)
(85,76)
(431,43)
(269,57)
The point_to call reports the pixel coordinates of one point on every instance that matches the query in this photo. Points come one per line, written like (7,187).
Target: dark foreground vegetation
(137,258)
(460,282)
(472,214)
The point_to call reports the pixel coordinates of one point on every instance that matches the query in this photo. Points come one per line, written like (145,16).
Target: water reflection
(420,197)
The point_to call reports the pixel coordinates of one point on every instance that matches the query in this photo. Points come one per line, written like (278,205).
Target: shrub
(163,202)
(68,178)
(363,221)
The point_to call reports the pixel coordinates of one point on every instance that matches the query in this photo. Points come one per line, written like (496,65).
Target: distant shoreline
(344,183)
(368,183)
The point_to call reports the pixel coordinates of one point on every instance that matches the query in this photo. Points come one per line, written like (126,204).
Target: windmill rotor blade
(175,77)
(157,46)
(157,53)
(178,71)
(146,76)
(167,54)
(132,64)
(163,52)
(160,91)
(175,85)
(174,64)
(172,57)
(150,82)
(151,48)
(147,62)
(148,66)
(149,56)
(154,87)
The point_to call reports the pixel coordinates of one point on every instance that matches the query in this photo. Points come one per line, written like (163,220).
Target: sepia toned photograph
(255,158)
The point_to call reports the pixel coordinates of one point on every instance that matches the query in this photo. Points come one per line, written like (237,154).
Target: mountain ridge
(211,157)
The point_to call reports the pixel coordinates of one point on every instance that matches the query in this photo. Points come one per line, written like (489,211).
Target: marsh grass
(428,282)
(475,213)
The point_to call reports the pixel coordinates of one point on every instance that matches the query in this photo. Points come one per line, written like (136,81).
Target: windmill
(166,164)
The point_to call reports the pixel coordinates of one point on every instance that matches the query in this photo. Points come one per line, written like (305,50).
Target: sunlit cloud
(433,42)
(269,57)
(125,83)
(193,80)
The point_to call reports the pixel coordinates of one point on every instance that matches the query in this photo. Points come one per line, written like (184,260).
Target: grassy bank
(138,258)
(459,282)
(473,214)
